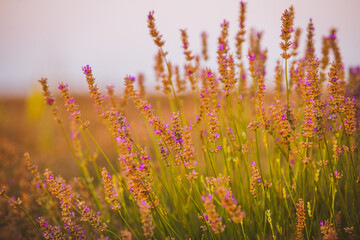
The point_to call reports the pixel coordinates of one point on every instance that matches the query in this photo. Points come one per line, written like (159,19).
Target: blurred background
(54,39)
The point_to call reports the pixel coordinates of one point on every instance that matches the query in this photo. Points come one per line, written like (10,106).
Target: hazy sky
(54,38)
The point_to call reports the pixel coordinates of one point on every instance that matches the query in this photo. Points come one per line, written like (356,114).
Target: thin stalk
(26,213)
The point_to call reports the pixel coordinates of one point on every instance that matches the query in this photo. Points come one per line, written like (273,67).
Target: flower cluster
(49,231)
(328,231)
(146,219)
(255,179)
(70,105)
(62,191)
(211,215)
(111,195)
(281,122)
(214,126)
(229,202)
(87,215)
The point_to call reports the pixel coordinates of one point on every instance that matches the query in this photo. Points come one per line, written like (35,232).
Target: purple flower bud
(221,47)
(251,57)
(86,70)
(50,101)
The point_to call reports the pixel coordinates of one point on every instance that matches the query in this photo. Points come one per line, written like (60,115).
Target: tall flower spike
(328,230)
(314,105)
(337,54)
(228,202)
(278,79)
(93,88)
(350,120)
(204,46)
(259,102)
(70,105)
(212,216)
(89,216)
(111,97)
(160,71)
(310,49)
(281,121)
(325,52)
(146,219)
(300,216)
(227,72)
(286,30)
(111,196)
(190,69)
(315,96)
(336,93)
(49,231)
(223,46)
(141,80)
(241,33)
(214,126)
(180,83)
(185,42)
(295,44)
(49,99)
(223,60)
(154,33)
(325,49)
(255,179)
